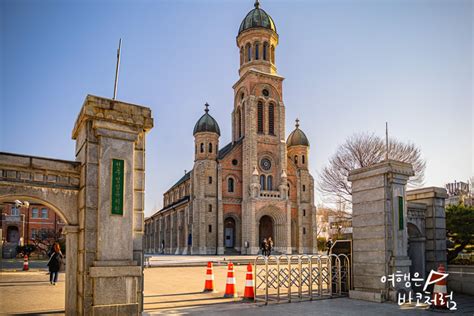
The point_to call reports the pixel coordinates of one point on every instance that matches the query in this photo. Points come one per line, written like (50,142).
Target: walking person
(54,264)
(270,246)
(264,246)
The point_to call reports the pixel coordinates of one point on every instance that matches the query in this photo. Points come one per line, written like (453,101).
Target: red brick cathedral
(255,187)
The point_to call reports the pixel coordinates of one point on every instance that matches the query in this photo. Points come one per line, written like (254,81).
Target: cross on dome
(257,4)
(297,124)
(207,107)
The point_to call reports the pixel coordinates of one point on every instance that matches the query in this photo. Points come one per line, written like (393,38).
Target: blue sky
(349,67)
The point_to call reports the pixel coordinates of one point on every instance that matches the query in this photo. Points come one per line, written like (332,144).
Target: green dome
(207,124)
(297,137)
(257,18)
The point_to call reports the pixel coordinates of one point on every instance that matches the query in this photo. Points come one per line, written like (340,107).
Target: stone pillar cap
(387,166)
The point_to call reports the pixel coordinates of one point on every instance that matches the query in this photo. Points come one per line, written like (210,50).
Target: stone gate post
(110,145)
(380,237)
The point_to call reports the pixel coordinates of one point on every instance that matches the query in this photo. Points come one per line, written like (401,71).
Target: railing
(270,194)
(299,278)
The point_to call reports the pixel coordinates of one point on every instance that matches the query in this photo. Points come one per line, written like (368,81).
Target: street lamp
(21,204)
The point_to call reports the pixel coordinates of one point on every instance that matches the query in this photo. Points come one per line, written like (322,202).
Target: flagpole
(117,70)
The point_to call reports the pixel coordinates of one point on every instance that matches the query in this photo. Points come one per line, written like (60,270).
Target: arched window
(210,147)
(217,149)
(257,46)
(265,48)
(269,183)
(296,159)
(241,55)
(260,117)
(230,185)
(202,147)
(304,188)
(302,159)
(288,189)
(272,54)
(304,212)
(262,182)
(249,52)
(271,118)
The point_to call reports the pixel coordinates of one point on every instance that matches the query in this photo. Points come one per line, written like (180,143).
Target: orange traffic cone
(440,291)
(25,263)
(209,284)
(248,293)
(230,285)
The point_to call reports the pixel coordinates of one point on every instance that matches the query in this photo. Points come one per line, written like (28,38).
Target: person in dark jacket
(264,247)
(54,264)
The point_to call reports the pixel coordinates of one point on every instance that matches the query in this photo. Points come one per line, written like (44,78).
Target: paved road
(178,290)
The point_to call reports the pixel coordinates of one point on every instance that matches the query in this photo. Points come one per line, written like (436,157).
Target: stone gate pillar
(379,221)
(110,145)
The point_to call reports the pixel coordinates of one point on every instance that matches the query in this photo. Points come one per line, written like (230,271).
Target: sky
(349,65)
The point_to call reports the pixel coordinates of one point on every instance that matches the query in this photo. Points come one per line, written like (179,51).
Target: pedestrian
(54,264)
(162,246)
(264,246)
(270,245)
(329,245)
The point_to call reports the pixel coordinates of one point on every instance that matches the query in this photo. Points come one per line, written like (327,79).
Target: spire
(297,123)
(256,4)
(207,107)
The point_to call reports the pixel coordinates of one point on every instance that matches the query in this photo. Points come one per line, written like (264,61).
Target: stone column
(186,230)
(71,233)
(220,213)
(178,232)
(110,136)
(380,237)
(435,224)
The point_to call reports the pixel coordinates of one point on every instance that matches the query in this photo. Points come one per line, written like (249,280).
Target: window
(210,180)
(304,230)
(304,212)
(34,233)
(260,117)
(262,182)
(273,54)
(265,48)
(35,213)
(288,189)
(249,52)
(202,147)
(296,159)
(302,159)
(234,162)
(304,188)
(271,128)
(217,151)
(241,55)
(15,211)
(269,183)
(209,208)
(256,51)
(210,228)
(230,185)
(210,147)
(44,213)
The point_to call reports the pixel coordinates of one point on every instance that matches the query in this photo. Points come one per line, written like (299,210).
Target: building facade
(255,187)
(22,225)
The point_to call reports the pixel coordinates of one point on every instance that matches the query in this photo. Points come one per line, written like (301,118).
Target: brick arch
(238,229)
(279,218)
(274,97)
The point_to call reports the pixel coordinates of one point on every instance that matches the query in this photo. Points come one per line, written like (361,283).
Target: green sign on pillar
(118,166)
(400,213)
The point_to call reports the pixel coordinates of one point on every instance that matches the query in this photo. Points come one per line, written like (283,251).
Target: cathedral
(255,187)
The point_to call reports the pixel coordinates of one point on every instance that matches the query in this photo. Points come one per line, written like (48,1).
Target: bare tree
(363,150)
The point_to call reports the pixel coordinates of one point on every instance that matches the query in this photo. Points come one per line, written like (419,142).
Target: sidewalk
(12,265)
(159,260)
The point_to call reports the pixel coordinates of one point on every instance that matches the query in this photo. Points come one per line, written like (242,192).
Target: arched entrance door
(13,234)
(229,233)
(266,228)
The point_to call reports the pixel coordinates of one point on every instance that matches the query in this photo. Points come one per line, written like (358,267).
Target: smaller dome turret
(207,124)
(297,137)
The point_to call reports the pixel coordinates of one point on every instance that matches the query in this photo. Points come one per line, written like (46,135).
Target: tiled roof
(228,148)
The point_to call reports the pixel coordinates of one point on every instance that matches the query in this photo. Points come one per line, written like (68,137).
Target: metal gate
(299,278)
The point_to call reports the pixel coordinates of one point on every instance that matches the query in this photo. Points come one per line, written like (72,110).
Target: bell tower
(258,118)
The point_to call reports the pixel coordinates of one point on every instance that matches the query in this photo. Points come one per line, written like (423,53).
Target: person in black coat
(54,264)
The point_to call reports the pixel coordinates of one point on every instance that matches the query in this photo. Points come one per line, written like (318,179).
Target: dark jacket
(55,261)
